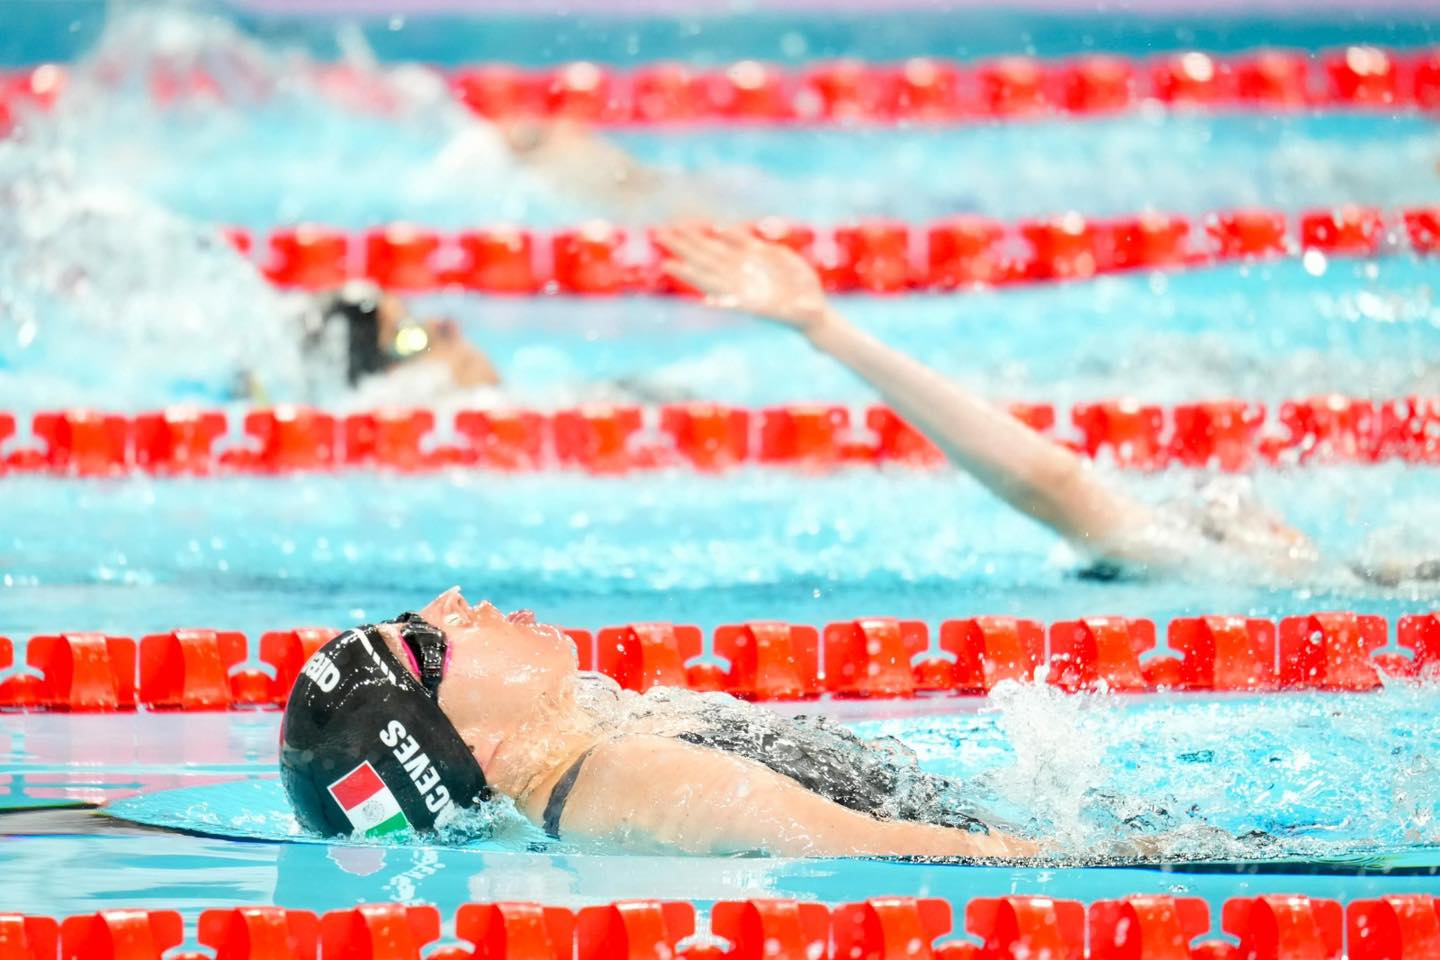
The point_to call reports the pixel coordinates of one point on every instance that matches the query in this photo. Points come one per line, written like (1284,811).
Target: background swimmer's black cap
(363,748)
(357,306)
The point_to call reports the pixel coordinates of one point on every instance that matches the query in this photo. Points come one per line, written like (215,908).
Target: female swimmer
(406,723)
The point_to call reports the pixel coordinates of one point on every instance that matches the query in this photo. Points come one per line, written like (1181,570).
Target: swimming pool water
(1320,772)
(1348,776)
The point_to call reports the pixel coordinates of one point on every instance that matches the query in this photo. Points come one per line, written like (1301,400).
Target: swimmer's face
(500,670)
(391,315)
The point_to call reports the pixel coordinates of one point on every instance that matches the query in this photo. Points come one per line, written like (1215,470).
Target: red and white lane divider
(762,660)
(874,256)
(1230,435)
(1138,927)
(921,90)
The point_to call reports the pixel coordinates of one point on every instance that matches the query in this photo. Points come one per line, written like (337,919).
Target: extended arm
(1023,468)
(654,793)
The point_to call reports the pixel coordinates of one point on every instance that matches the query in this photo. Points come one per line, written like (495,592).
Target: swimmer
(406,723)
(738,271)
(359,332)
(360,338)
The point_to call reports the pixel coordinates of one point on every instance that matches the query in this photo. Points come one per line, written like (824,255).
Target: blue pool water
(111,254)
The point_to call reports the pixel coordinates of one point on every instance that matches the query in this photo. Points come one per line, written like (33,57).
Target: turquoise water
(118,260)
(63,29)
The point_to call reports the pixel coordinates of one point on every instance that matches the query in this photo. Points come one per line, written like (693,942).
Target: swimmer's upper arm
(645,792)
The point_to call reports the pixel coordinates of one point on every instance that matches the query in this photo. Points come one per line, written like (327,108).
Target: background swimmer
(738,271)
(358,332)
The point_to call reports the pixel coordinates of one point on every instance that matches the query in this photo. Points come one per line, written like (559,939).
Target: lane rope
(1016,925)
(766,660)
(1230,435)
(873,256)
(918,91)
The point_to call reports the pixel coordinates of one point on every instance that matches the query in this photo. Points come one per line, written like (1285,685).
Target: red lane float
(1420,634)
(1018,926)
(391,439)
(762,660)
(1397,927)
(805,434)
(497,260)
(598,439)
(1127,430)
(1217,433)
(1363,76)
(286,652)
(1146,927)
(528,930)
(189,669)
(260,933)
(764,929)
(378,931)
(632,930)
(708,436)
(1273,78)
(874,256)
(311,256)
(1331,651)
(83,442)
(1223,653)
(1100,652)
(120,935)
(81,673)
(502,439)
(642,655)
(177,440)
(401,257)
(1248,234)
(770,660)
(889,928)
(1351,231)
(871,657)
(963,252)
(990,650)
(1281,926)
(29,938)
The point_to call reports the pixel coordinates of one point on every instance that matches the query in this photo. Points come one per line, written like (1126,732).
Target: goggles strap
(427,642)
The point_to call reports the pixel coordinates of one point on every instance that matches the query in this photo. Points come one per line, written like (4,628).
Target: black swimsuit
(826,760)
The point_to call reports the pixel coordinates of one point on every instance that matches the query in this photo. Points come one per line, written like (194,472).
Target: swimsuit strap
(555,806)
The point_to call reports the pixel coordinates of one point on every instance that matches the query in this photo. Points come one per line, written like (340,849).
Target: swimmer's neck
(524,762)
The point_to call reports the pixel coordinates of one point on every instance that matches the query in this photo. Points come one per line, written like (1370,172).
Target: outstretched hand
(736,270)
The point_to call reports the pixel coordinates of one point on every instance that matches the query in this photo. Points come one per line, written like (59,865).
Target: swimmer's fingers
(699,250)
(715,292)
(702,280)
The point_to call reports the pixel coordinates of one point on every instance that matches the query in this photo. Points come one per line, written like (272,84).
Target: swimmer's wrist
(821,324)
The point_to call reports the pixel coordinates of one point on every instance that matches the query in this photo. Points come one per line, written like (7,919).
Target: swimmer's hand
(736,270)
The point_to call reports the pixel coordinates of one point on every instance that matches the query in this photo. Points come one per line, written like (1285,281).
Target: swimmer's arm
(1017,464)
(653,793)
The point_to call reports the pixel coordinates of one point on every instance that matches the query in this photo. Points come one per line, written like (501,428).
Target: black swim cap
(364,746)
(355,308)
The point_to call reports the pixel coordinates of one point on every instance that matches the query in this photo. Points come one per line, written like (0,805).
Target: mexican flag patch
(370,806)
